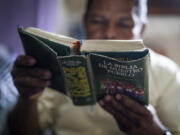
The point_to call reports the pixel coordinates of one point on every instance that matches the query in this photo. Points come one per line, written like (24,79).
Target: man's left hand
(131,117)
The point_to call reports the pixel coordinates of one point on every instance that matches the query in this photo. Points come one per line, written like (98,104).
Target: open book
(94,69)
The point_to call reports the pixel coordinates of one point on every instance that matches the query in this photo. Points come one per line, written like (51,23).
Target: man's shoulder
(164,75)
(161,64)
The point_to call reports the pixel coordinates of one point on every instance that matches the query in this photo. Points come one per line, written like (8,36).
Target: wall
(36,13)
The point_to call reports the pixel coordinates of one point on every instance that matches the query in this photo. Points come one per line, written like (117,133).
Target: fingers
(127,117)
(23,60)
(123,122)
(133,106)
(29,80)
(23,66)
(121,112)
(106,107)
(110,106)
(33,72)
(29,86)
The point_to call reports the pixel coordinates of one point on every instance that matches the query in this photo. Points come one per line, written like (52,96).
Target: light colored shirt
(57,112)
(8,92)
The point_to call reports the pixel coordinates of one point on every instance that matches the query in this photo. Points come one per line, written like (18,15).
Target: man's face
(110,19)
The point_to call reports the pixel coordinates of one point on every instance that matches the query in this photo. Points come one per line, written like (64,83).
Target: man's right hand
(28,79)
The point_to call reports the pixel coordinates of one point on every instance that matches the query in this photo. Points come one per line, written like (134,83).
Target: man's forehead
(111,8)
(112,5)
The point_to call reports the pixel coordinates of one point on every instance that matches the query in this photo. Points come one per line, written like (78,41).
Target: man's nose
(110,32)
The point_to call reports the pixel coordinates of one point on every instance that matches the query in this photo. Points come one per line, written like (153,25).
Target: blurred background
(64,17)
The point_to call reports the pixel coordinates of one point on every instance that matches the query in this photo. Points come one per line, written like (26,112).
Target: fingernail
(101,102)
(48,83)
(31,61)
(108,98)
(118,97)
(47,75)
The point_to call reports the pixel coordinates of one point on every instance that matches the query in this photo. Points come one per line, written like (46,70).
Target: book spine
(77,77)
(92,79)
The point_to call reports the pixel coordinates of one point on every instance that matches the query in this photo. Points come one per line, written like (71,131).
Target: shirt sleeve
(47,108)
(168,103)
(8,92)
(168,107)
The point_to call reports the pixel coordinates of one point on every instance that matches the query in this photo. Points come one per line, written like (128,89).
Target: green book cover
(86,81)
(128,75)
(91,77)
(45,52)
(79,79)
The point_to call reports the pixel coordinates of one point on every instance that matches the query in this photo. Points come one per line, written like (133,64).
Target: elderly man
(40,108)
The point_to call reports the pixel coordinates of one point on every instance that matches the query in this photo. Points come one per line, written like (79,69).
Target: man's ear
(143,29)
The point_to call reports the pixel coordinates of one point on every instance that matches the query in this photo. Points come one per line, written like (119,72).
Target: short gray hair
(139,14)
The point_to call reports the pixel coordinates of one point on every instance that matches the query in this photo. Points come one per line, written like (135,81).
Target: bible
(88,70)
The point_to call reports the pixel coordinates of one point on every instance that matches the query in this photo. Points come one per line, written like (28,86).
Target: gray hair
(139,14)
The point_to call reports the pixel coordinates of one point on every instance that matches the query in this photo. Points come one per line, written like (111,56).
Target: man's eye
(98,21)
(125,24)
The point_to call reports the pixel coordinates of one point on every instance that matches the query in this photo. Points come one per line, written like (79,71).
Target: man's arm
(23,119)
(30,82)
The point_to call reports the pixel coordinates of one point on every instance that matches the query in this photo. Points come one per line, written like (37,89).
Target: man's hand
(29,80)
(131,117)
